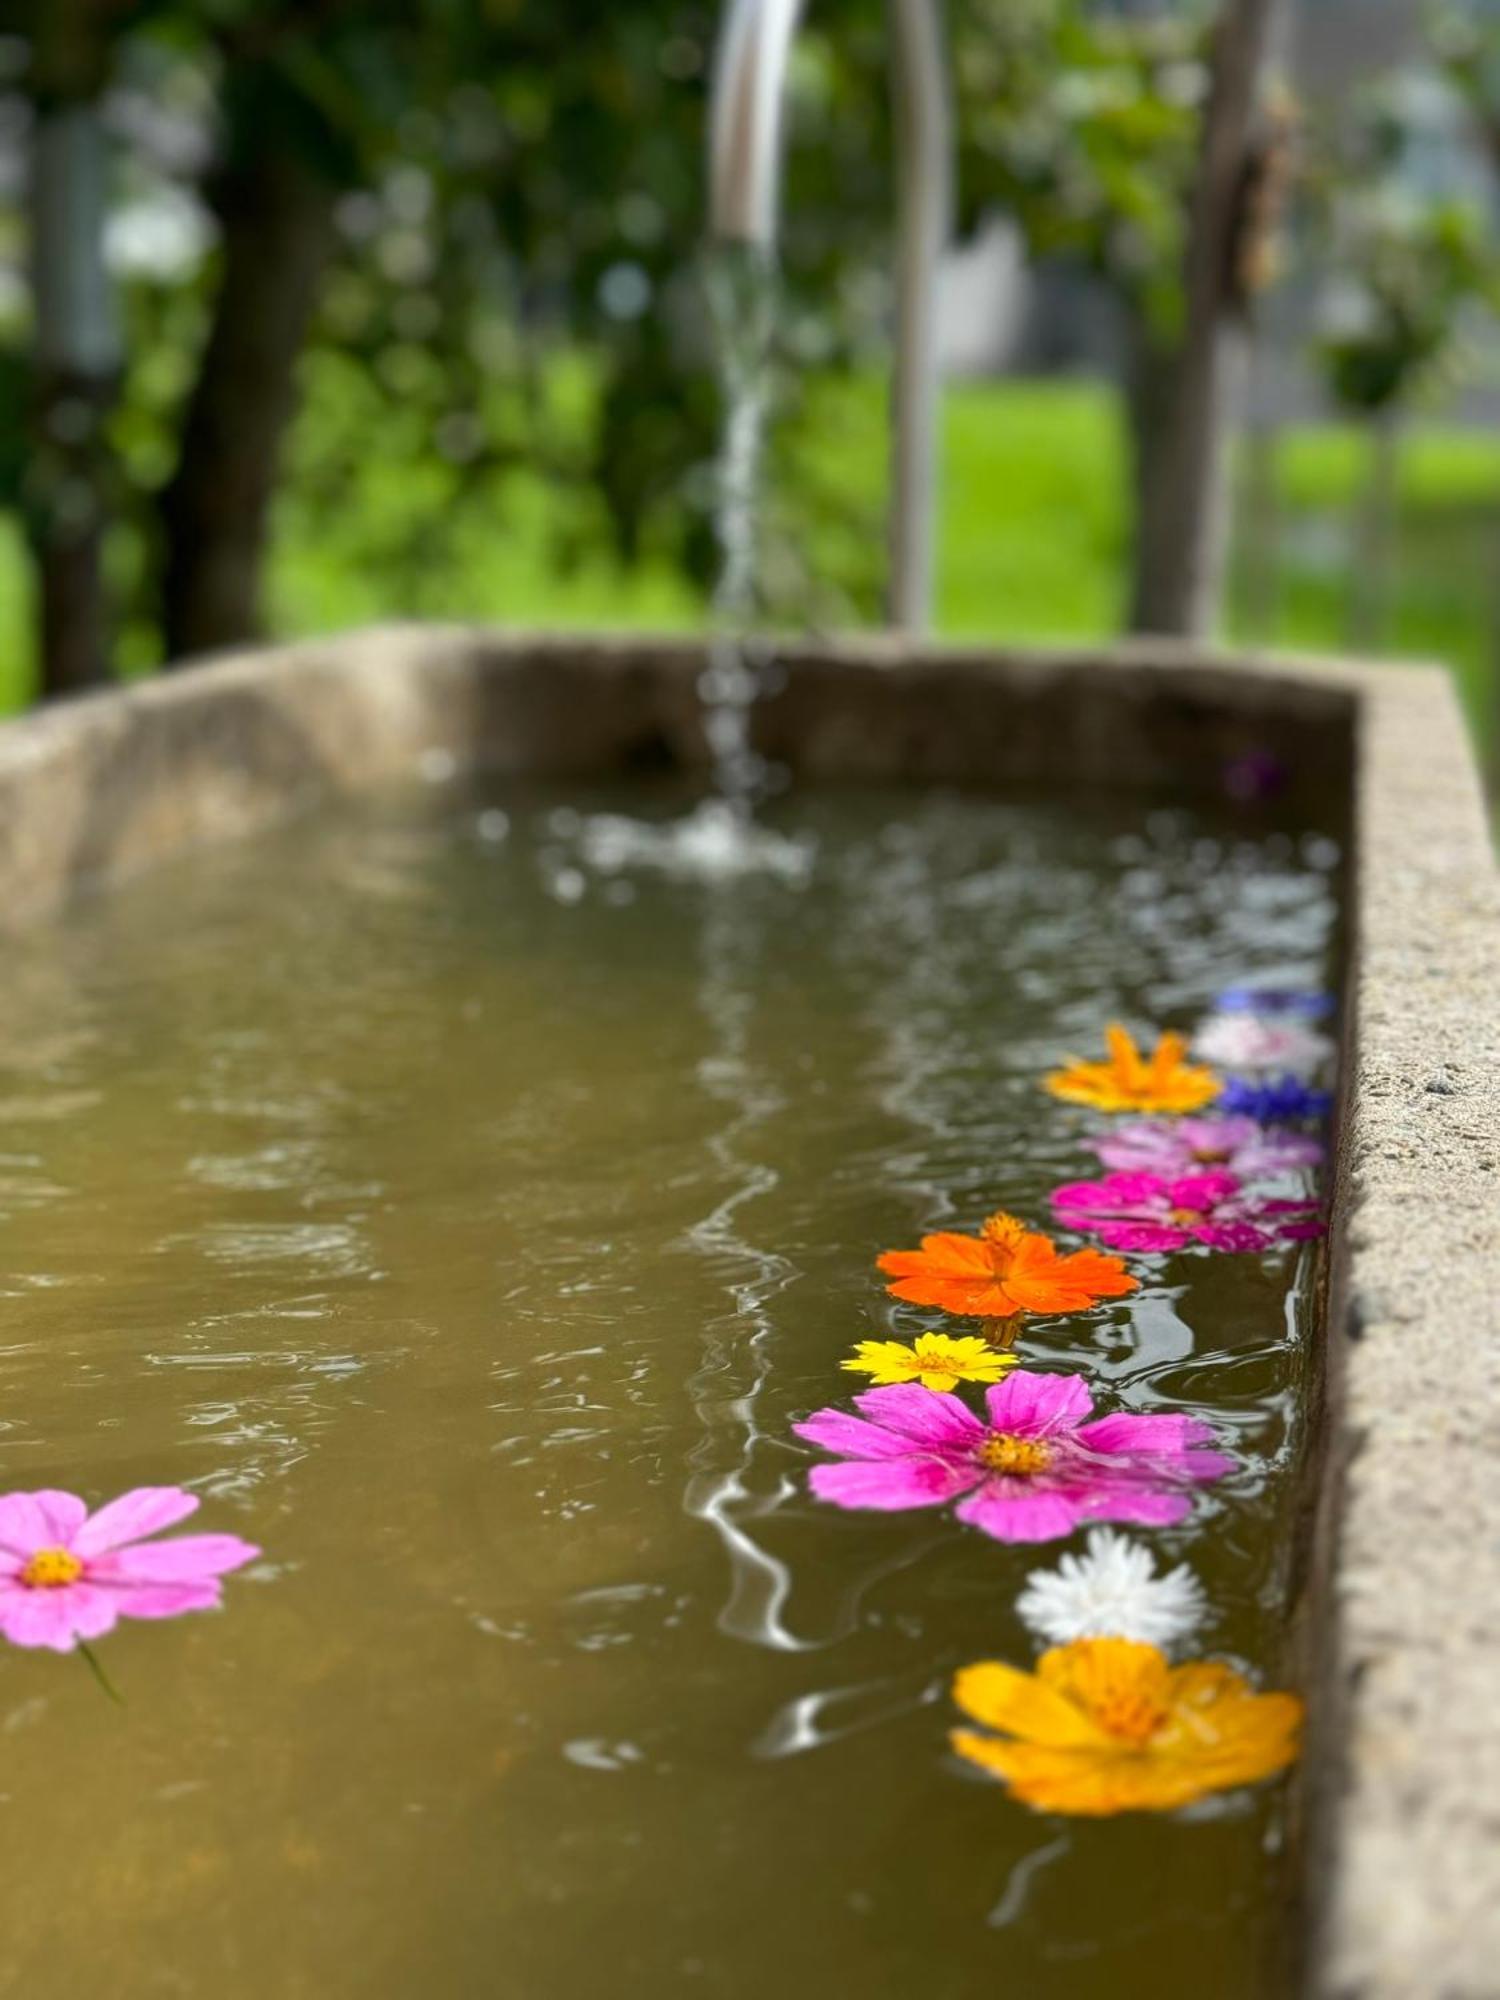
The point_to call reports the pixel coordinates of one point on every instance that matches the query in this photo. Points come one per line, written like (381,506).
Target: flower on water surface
(67,1575)
(1031,1473)
(1152,1212)
(1274,1000)
(936,1360)
(1129,1081)
(1107,1726)
(1275,1100)
(1188,1145)
(1006,1269)
(1112,1592)
(1243,1041)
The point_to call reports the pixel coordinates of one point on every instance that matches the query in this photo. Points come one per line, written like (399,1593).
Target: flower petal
(1203,1190)
(165,1600)
(184,1559)
(920,1416)
(888,1487)
(1004,1698)
(1031,1405)
(1141,1236)
(1160,1437)
(41,1520)
(145,1510)
(1011,1510)
(55,1619)
(851,1437)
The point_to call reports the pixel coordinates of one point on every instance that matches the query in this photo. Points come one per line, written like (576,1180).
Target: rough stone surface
(1415,1908)
(1400,1620)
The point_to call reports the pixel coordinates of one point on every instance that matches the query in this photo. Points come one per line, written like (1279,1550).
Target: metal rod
(745,151)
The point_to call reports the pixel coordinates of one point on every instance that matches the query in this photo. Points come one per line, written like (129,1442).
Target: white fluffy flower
(1112,1592)
(1244,1041)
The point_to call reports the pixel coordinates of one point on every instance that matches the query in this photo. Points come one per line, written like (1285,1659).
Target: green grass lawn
(1033,539)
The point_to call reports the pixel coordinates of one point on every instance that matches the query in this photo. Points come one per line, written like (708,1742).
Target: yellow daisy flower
(1129,1080)
(936,1360)
(1107,1726)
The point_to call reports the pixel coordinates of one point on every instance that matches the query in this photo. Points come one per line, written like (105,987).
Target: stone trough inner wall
(1399,1620)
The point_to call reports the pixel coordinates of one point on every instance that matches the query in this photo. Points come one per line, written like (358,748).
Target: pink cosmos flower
(67,1575)
(1156,1212)
(1033,1472)
(1243,1041)
(1190,1145)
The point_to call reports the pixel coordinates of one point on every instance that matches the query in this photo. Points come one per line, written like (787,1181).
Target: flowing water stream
(468,1225)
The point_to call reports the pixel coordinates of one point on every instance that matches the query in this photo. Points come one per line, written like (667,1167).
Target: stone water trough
(1398,1619)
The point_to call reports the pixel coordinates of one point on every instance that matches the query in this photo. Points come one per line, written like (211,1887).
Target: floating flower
(1152,1212)
(1274,1000)
(1107,1726)
(1131,1081)
(936,1360)
(1033,1472)
(1244,1041)
(1188,1145)
(67,1575)
(1275,1100)
(1113,1592)
(1006,1269)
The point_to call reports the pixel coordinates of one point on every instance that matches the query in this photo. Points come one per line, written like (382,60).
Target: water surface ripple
(469,1224)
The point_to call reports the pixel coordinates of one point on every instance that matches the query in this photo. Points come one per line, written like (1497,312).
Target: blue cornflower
(1275,1101)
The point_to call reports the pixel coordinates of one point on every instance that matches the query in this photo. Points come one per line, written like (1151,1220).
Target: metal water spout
(745,147)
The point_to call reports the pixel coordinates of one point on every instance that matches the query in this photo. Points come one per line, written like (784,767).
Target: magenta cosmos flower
(1189,1145)
(1159,1212)
(66,1574)
(1033,1472)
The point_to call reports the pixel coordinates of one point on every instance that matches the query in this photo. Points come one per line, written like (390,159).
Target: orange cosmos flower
(1107,1726)
(1004,1270)
(1130,1081)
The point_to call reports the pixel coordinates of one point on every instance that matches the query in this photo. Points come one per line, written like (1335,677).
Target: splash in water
(721,837)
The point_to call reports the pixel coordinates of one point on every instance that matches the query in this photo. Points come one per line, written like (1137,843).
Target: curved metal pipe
(745,153)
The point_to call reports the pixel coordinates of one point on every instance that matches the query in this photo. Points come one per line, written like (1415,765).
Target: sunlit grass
(1033,538)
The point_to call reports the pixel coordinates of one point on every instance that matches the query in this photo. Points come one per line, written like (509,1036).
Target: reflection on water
(473,1233)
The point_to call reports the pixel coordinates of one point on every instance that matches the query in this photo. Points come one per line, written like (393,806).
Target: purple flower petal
(921,1416)
(55,1619)
(851,1437)
(1141,1236)
(1232,1236)
(1203,1191)
(1142,1506)
(42,1520)
(887,1488)
(165,1600)
(1012,1512)
(1038,1406)
(1163,1438)
(185,1559)
(146,1510)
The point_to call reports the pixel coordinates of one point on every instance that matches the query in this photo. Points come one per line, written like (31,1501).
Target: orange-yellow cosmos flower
(1107,1726)
(1006,1269)
(1131,1081)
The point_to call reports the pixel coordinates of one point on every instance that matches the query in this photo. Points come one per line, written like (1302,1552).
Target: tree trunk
(1375,540)
(76,346)
(1181,531)
(275,212)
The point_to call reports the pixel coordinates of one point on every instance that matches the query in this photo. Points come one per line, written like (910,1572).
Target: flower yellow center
(50,1569)
(1018,1456)
(1188,1218)
(1129,1713)
(1211,1156)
